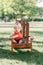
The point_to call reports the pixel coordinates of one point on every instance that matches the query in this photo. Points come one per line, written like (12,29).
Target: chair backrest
(25,30)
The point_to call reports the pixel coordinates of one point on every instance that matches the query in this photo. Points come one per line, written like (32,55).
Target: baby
(16,37)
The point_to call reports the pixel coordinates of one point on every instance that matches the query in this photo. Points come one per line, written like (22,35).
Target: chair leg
(31,48)
(11,47)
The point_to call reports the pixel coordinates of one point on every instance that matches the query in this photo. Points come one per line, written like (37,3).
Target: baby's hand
(10,38)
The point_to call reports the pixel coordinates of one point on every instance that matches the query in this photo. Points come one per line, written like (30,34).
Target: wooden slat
(22,45)
(27,31)
(23,29)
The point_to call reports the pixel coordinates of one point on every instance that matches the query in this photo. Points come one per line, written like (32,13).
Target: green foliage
(14,7)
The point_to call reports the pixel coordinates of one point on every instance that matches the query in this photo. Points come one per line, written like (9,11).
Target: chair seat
(21,45)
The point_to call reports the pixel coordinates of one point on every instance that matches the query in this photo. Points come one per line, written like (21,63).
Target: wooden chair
(28,41)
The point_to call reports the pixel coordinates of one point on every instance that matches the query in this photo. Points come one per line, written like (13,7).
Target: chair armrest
(29,37)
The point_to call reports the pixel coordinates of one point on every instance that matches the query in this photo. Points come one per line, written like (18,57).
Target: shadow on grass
(2,45)
(4,33)
(3,39)
(35,58)
(37,32)
(38,42)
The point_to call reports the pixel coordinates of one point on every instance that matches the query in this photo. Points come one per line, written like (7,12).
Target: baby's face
(16,29)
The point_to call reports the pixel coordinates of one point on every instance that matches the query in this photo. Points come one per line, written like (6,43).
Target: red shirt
(19,35)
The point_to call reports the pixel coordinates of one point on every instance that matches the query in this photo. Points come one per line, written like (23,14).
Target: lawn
(21,56)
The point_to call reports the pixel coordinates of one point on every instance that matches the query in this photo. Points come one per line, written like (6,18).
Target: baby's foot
(20,41)
(14,41)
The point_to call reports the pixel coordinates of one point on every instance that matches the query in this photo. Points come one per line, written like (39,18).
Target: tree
(14,7)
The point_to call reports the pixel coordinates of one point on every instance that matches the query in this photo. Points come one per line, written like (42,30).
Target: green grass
(21,56)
